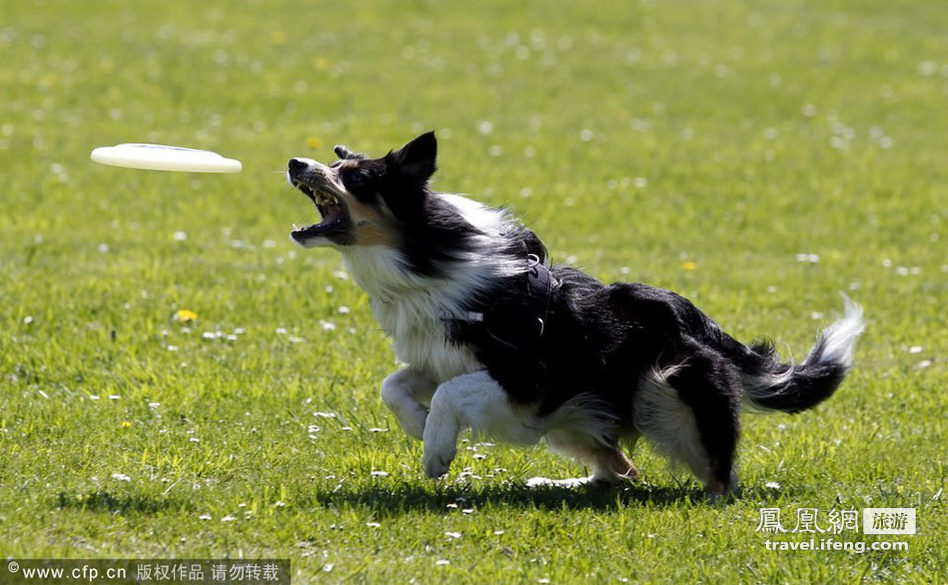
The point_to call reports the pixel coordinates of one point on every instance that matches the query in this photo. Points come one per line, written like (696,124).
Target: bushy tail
(771,385)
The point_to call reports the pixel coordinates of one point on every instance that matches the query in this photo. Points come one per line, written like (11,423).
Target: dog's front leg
(407,393)
(478,402)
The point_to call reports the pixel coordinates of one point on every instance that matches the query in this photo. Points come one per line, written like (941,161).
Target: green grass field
(757,157)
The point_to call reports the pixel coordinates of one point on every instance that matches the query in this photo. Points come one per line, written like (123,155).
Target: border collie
(497,341)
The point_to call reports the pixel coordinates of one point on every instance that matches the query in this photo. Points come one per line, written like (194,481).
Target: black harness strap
(541,285)
(516,322)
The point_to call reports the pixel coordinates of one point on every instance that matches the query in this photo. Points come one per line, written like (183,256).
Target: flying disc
(160,157)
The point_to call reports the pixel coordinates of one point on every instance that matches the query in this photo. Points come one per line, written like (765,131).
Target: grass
(700,146)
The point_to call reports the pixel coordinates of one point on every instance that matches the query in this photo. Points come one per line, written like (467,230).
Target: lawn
(757,157)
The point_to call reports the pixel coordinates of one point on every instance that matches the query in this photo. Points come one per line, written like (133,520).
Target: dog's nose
(297,165)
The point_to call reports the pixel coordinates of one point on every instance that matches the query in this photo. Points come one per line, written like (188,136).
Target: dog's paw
(437,464)
(632,474)
(720,492)
(721,498)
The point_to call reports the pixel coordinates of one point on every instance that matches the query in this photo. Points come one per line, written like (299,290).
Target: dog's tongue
(331,214)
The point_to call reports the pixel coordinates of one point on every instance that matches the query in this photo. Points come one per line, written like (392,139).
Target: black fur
(574,335)
(599,340)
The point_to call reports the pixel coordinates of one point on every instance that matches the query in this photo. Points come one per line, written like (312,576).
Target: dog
(496,340)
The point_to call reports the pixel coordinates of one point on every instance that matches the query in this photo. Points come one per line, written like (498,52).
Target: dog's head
(363,201)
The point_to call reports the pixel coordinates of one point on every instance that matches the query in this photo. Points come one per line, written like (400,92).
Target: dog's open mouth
(335,219)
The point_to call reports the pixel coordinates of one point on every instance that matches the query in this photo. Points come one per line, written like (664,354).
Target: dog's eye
(355,179)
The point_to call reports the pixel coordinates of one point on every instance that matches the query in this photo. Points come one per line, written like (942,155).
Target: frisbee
(160,157)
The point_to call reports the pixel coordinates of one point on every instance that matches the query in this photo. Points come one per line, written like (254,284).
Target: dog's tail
(772,385)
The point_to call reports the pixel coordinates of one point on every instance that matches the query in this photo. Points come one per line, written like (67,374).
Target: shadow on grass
(404,498)
(104,501)
(408,498)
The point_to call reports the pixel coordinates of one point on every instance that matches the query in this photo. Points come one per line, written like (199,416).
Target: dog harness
(529,309)
(541,283)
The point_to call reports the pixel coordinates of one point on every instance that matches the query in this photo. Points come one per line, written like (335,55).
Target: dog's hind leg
(610,466)
(478,402)
(631,437)
(690,412)
(407,393)
(608,462)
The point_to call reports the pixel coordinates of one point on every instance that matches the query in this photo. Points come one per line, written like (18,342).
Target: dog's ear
(409,168)
(344,153)
(416,160)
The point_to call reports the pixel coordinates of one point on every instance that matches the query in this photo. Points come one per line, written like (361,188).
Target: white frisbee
(160,157)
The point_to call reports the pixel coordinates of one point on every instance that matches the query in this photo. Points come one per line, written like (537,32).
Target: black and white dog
(497,341)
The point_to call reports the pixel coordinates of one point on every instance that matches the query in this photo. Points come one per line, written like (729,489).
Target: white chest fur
(412,311)
(418,335)
(412,308)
